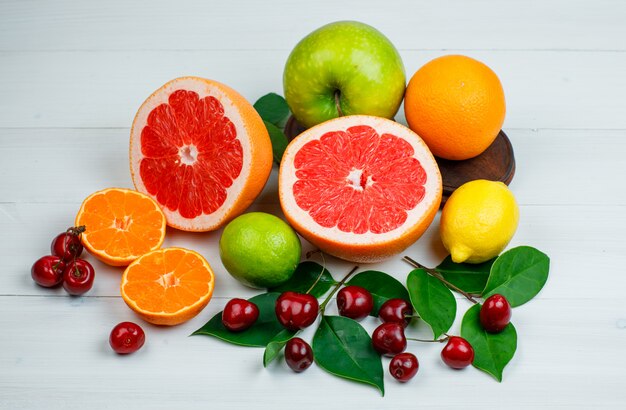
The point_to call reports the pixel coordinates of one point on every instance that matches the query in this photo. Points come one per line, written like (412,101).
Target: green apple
(343,68)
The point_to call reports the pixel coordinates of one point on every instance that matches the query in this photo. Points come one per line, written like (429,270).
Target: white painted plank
(57,356)
(410,24)
(585,243)
(73,73)
(105,89)
(568,167)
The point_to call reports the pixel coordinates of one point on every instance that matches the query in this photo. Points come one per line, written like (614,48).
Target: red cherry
(298,354)
(396,311)
(67,245)
(296,311)
(78,277)
(127,337)
(47,271)
(495,313)
(388,339)
(354,302)
(457,353)
(239,314)
(403,366)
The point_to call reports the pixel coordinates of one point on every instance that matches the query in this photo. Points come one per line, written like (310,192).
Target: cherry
(495,313)
(354,302)
(67,245)
(298,354)
(239,314)
(78,277)
(396,311)
(403,366)
(47,271)
(457,353)
(296,311)
(388,339)
(127,337)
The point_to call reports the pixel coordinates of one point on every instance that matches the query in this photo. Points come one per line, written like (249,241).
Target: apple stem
(337,286)
(437,275)
(338,102)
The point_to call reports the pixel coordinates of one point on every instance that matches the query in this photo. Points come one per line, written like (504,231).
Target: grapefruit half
(361,188)
(201,151)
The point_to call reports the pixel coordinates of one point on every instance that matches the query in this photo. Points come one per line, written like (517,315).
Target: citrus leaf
(303,278)
(263,331)
(382,287)
(432,300)
(273,108)
(343,348)
(469,277)
(492,351)
(276,345)
(518,275)
(278,139)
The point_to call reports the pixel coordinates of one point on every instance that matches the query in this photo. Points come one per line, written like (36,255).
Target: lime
(478,221)
(260,250)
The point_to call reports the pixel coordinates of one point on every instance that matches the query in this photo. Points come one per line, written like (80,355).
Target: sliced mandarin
(121,225)
(168,286)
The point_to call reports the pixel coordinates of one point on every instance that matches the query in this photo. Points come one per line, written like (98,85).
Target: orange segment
(168,286)
(121,225)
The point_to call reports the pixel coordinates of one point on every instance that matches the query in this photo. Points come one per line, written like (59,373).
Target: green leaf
(518,275)
(469,277)
(276,345)
(263,331)
(303,278)
(273,108)
(432,300)
(343,348)
(492,351)
(382,287)
(278,139)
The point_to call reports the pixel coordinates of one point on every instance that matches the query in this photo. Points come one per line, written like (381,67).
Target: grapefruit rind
(366,247)
(102,254)
(251,133)
(169,318)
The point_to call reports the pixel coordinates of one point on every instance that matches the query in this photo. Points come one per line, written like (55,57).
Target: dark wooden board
(496,163)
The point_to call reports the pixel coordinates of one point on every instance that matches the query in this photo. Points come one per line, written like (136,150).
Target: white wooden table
(72,75)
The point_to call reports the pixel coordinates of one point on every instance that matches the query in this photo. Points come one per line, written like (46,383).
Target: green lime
(260,250)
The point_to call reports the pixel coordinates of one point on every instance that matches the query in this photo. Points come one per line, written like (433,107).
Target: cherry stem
(442,340)
(437,275)
(321,273)
(337,286)
(77,230)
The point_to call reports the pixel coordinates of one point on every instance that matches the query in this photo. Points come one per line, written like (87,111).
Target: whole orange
(456,104)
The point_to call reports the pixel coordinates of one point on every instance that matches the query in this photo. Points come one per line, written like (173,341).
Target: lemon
(260,250)
(478,221)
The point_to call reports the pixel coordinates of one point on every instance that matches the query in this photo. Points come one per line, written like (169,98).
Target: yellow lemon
(478,221)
